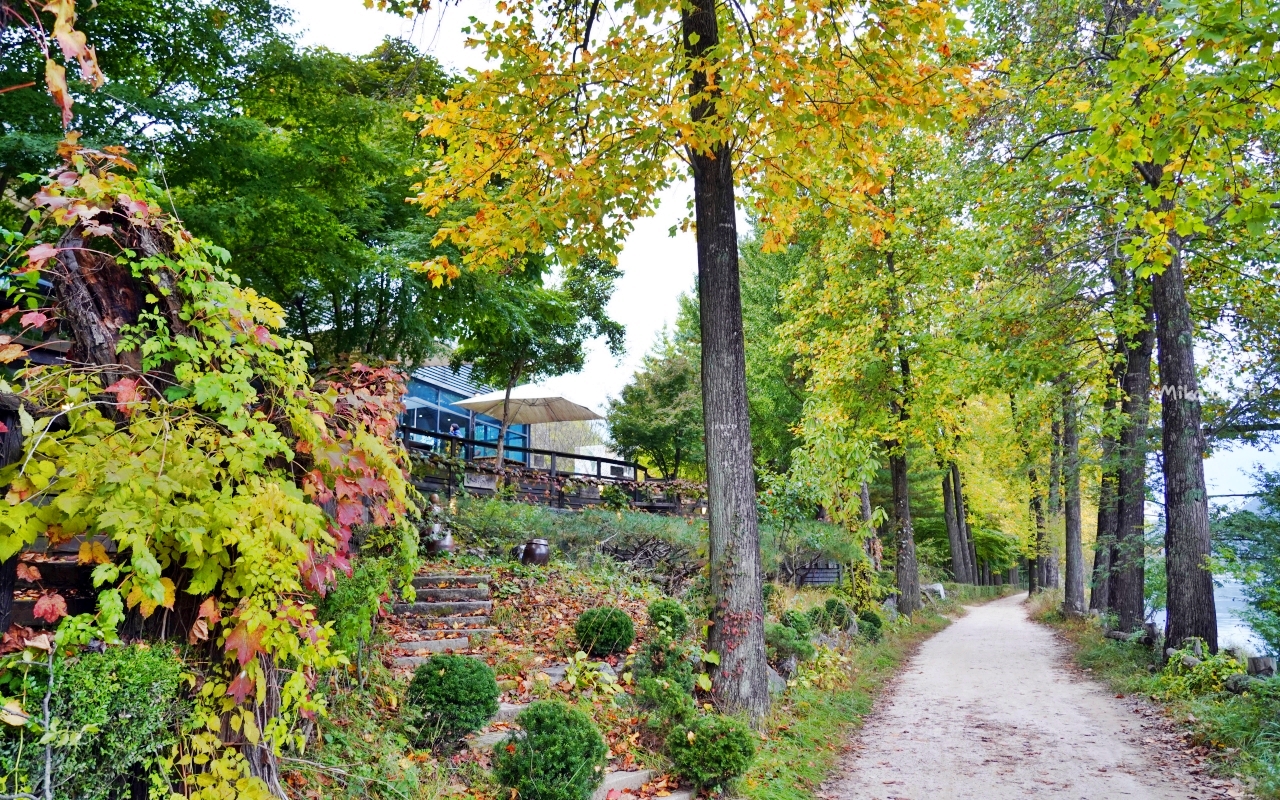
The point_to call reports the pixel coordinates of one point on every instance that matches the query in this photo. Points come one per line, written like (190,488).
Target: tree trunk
(905,568)
(962,521)
(1127,572)
(1036,564)
(1055,470)
(1073,597)
(959,556)
(261,756)
(1100,591)
(871,543)
(1191,609)
(741,681)
(502,429)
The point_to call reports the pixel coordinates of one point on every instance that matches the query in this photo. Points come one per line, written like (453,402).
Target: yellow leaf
(1083,106)
(12,714)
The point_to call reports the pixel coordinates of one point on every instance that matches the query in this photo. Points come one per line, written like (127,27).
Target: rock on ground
(989,710)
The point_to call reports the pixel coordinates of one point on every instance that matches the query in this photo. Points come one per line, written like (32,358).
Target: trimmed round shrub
(837,613)
(797,622)
(663,657)
(781,642)
(670,703)
(457,695)
(604,631)
(871,618)
(560,756)
(669,616)
(711,751)
(869,624)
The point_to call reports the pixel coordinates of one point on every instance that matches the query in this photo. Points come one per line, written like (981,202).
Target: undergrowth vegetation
(1240,732)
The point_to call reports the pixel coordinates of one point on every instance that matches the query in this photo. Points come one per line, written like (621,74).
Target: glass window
(424,391)
(449,398)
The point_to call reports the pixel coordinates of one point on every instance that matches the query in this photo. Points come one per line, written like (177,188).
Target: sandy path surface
(987,709)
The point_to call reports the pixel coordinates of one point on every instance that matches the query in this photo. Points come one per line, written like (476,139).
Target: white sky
(656,268)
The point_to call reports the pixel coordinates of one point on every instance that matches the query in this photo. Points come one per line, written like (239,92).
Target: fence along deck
(448,464)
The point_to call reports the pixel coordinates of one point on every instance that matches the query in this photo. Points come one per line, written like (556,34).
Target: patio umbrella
(528,405)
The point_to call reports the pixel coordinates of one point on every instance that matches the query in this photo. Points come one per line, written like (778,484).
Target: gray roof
(443,376)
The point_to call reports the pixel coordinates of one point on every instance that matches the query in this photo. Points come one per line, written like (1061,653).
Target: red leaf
(28,573)
(40,254)
(209,610)
(373,485)
(126,392)
(350,513)
(313,484)
(241,687)
(246,643)
(264,337)
(4,428)
(33,319)
(346,488)
(51,607)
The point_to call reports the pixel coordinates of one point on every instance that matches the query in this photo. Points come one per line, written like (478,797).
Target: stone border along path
(988,709)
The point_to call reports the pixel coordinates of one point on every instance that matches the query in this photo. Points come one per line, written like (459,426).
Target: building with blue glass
(435,390)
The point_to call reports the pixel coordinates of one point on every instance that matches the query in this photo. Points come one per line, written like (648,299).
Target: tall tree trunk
(1073,597)
(741,681)
(962,519)
(959,556)
(871,543)
(1035,564)
(1128,573)
(1055,470)
(1100,591)
(1191,608)
(905,568)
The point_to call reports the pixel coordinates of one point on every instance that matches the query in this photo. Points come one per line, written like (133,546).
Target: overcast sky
(656,267)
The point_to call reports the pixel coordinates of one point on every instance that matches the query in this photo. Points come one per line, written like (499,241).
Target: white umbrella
(528,405)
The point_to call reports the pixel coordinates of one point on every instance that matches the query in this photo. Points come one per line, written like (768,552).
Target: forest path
(988,709)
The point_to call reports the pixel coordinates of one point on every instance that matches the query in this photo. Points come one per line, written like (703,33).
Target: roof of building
(442,375)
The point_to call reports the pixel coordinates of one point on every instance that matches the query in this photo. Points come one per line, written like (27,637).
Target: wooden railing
(567,480)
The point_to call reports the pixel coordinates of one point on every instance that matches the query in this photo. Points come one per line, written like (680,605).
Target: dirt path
(987,709)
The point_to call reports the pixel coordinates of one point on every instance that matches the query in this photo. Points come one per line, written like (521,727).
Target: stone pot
(438,547)
(536,552)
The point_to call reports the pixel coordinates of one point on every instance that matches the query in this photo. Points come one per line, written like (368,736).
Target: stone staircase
(448,613)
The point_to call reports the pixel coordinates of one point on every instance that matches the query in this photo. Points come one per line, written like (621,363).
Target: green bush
(456,695)
(817,617)
(782,642)
(127,704)
(670,702)
(561,755)
(837,614)
(711,751)
(767,592)
(669,616)
(872,619)
(663,657)
(354,601)
(603,631)
(797,622)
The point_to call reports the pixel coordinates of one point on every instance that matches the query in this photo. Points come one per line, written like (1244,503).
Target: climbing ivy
(219,468)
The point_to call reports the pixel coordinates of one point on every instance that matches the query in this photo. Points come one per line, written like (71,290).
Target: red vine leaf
(126,392)
(241,687)
(51,607)
(28,573)
(33,319)
(246,643)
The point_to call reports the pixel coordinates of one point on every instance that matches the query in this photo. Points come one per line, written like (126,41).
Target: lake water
(1233,631)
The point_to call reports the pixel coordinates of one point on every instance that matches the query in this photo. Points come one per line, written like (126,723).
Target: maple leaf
(36,257)
(92,552)
(51,607)
(350,513)
(241,687)
(33,319)
(28,573)
(246,643)
(126,392)
(209,610)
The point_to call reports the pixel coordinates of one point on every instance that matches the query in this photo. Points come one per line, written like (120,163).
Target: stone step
(509,711)
(622,781)
(435,645)
(462,622)
(443,609)
(425,581)
(452,595)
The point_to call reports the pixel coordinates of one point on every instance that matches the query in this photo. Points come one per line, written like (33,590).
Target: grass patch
(1240,734)
(807,728)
